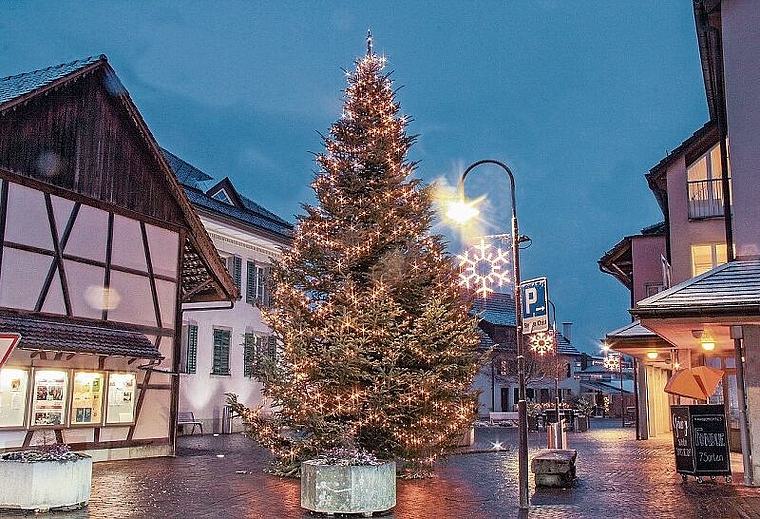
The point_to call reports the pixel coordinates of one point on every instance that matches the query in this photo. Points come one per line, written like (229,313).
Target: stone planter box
(45,485)
(358,489)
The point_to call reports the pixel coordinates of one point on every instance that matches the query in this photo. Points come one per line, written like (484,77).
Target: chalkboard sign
(710,440)
(700,440)
(682,443)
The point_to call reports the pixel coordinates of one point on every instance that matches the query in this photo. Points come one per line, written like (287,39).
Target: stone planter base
(361,489)
(45,485)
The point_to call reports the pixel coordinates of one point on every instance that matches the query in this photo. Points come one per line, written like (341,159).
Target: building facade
(222,344)
(710,196)
(98,248)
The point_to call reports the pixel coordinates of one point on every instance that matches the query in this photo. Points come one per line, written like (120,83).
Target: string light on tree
(378,345)
(482,267)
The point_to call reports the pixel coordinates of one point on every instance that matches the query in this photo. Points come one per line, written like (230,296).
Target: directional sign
(8,341)
(534,300)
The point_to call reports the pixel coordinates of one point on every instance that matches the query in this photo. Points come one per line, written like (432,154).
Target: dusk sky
(579,98)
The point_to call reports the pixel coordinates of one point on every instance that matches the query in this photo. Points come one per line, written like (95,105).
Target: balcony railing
(705,198)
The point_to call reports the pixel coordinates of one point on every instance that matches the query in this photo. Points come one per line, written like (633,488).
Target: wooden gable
(75,127)
(80,137)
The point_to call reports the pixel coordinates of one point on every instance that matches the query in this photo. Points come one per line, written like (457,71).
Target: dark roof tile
(51,335)
(12,87)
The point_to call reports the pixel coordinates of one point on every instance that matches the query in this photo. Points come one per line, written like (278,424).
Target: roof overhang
(704,308)
(57,336)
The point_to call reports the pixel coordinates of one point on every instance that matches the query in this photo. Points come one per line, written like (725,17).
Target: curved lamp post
(461,212)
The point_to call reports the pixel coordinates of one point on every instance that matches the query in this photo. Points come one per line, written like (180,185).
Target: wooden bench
(503,416)
(554,467)
(187,418)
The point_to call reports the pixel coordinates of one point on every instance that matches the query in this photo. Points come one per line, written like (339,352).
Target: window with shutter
(221,360)
(237,270)
(250,282)
(249,354)
(192,348)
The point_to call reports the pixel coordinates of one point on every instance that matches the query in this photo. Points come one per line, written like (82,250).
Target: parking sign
(534,300)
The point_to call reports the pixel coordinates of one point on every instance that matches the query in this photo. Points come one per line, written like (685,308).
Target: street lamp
(461,212)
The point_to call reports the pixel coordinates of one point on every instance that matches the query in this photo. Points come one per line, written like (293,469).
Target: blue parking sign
(534,303)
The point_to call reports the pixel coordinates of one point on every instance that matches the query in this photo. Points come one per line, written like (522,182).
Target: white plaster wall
(741,55)
(203,393)
(27,220)
(89,235)
(164,245)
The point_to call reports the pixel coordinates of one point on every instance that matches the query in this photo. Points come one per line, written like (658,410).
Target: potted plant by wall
(48,477)
(348,481)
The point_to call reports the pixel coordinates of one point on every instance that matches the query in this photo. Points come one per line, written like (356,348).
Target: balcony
(705,198)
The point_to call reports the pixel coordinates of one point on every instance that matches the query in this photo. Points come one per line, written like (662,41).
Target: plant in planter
(348,480)
(50,476)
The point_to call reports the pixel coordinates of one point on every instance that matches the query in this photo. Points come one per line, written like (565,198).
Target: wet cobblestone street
(222,476)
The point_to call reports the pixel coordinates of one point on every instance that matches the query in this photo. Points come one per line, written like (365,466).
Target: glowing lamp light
(708,345)
(542,343)
(461,211)
(652,355)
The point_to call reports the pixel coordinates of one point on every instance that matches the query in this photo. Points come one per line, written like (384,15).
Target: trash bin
(227,415)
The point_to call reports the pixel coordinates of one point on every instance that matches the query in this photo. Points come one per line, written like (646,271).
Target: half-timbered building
(99,248)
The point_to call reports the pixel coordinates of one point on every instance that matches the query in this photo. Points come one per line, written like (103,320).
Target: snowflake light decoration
(612,362)
(482,267)
(542,342)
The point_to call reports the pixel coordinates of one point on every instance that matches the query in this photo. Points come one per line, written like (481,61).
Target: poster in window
(121,398)
(49,397)
(14,385)
(87,398)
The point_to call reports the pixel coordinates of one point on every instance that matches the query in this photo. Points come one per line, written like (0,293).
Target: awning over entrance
(55,336)
(703,308)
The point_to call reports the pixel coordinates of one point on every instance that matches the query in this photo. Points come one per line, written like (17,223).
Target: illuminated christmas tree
(378,343)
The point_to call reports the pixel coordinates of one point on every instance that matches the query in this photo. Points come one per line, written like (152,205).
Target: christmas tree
(378,341)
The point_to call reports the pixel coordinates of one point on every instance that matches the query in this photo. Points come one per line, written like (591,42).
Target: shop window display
(14,386)
(49,397)
(121,398)
(87,398)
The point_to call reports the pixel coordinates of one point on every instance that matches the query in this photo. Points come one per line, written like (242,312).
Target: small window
(256,284)
(221,360)
(222,196)
(652,289)
(255,349)
(707,257)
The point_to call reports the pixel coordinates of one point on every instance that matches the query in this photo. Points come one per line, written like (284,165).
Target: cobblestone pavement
(619,477)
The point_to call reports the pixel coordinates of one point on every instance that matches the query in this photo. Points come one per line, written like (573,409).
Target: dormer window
(704,184)
(222,196)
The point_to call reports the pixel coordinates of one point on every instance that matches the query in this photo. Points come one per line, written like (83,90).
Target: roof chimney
(567,331)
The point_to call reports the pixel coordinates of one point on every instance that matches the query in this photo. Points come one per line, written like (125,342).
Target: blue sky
(580,99)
